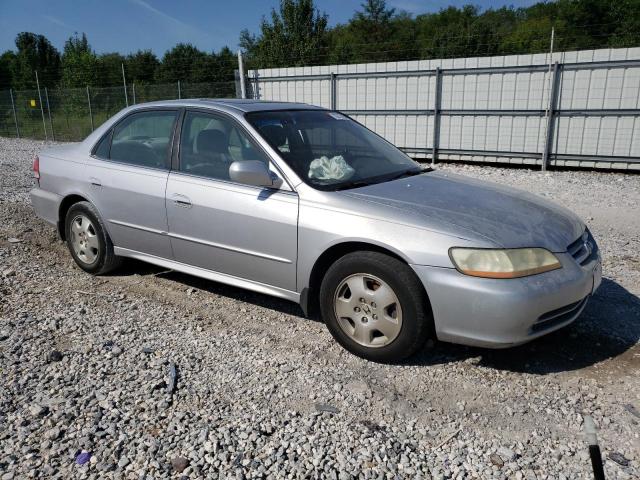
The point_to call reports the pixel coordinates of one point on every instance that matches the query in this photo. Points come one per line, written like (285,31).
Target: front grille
(559,316)
(584,249)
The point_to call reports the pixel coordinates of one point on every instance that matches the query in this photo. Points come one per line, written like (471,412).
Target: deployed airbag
(334,168)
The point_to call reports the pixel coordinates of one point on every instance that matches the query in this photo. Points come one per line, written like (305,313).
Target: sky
(129,25)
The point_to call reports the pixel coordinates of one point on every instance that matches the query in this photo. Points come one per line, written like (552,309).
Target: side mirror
(251,172)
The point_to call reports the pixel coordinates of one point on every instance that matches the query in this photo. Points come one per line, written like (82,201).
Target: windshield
(329,151)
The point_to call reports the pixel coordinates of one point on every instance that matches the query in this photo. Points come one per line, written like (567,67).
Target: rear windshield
(328,150)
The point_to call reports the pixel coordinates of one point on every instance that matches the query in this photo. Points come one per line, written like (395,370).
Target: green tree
(374,34)
(79,63)
(141,67)
(34,53)
(627,24)
(224,66)
(446,33)
(183,62)
(378,25)
(296,35)
(6,67)
(110,69)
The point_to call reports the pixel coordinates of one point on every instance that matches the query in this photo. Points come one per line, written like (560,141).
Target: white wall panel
(581,89)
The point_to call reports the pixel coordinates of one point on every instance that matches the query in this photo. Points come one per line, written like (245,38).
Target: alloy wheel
(84,239)
(368,310)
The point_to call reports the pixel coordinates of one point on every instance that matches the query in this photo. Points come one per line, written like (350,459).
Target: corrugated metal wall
(490,108)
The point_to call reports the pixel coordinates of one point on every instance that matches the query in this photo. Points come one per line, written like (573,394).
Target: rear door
(127,175)
(240,230)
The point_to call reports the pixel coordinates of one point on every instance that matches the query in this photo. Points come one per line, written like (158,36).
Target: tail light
(36,168)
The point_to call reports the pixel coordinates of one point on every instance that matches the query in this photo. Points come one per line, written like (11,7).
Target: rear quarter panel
(63,173)
(62,169)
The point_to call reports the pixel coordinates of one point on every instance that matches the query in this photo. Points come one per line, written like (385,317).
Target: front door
(240,230)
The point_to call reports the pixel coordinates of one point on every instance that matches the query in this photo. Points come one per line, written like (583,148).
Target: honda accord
(306,204)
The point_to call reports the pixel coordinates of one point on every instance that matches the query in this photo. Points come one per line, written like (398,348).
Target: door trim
(223,246)
(137,227)
(210,274)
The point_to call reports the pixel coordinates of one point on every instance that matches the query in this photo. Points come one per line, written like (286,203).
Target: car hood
(502,215)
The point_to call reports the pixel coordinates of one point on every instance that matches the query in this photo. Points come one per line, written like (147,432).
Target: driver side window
(143,139)
(209,144)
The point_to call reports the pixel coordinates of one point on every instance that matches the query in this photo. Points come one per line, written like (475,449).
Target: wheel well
(310,298)
(65,205)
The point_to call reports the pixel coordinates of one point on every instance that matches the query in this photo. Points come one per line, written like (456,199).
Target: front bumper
(498,313)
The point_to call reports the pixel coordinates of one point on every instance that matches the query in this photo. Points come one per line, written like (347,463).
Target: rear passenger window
(143,139)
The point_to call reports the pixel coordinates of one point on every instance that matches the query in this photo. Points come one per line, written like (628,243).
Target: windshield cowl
(386,178)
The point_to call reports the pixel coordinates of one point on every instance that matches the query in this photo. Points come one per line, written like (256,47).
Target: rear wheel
(88,240)
(375,306)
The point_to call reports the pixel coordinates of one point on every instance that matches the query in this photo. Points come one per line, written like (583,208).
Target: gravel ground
(155,374)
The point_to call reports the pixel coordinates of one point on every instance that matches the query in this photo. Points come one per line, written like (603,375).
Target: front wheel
(375,306)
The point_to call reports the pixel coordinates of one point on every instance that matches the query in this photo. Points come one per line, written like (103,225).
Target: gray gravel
(154,374)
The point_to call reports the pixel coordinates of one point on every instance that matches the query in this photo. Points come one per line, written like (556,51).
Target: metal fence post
(256,88)
(44,123)
(15,116)
(46,94)
(436,116)
(124,83)
(179,92)
(551,116)
(333,91)
(243,87)
(90,112)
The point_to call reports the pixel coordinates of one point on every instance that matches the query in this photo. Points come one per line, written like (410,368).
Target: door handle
(181,200)
(95,181)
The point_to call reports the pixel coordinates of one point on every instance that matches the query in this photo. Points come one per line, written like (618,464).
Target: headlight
(503,263)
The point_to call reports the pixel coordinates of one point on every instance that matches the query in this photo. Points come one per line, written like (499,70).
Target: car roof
(240,104)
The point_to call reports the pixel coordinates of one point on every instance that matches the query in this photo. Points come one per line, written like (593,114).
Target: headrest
(274,134)
(212,141)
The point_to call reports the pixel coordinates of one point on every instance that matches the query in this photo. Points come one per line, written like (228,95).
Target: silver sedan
(308,205)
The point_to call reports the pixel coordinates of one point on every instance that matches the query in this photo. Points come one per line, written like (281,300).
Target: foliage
(379,33)
(297,33)
(33,52)
(294,35)
(79,63)
(183,62)
(109,67)
(186,63)
(7,60)
(141,67)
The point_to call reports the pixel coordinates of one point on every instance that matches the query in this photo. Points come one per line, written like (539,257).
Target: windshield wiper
(409,173)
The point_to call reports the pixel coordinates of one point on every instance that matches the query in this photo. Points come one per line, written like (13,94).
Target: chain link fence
(70,114)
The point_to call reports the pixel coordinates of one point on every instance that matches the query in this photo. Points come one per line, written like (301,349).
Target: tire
(88,240)
(385,331)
